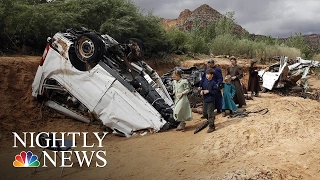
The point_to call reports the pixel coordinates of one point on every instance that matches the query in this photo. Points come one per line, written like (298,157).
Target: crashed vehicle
(282,74)
(275,75)
(93,78)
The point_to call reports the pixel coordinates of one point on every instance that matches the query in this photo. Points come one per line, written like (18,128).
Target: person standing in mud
(218,78)
(208,91)
(236,73)
(182,111)
(253,82)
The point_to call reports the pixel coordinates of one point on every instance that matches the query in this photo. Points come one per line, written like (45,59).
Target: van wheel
(89,48)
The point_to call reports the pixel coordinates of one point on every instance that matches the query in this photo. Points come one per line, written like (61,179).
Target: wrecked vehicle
(275,75)
(282,74)
(93,78)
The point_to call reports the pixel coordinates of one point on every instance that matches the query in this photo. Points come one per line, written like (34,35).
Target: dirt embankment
(18,110)
(282,144)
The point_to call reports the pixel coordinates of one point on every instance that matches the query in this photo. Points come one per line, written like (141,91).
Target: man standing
(236,73)
(218,80)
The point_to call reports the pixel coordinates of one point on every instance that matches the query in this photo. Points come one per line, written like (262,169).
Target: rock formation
(206,14)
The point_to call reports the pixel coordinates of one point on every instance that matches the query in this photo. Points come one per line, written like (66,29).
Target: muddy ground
(281,144)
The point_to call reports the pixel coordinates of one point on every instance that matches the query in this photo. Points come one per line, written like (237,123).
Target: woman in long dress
(228,93)
(236,73)
(182,111)
(253,82)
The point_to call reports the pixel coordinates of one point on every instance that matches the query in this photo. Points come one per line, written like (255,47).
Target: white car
(92,77)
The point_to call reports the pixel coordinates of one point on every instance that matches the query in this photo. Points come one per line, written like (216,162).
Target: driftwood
(202,126)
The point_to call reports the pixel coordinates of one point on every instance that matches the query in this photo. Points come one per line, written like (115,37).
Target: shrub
(223,44)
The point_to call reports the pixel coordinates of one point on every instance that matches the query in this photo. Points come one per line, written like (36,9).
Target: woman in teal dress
(182,111)
(229,90)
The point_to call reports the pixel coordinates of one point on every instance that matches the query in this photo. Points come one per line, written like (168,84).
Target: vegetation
(220,38)
(26,24)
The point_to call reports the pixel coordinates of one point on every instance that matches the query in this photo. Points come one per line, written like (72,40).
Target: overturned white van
(92,77)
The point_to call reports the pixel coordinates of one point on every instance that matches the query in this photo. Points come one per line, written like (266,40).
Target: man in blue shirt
(208,91)
(218,78)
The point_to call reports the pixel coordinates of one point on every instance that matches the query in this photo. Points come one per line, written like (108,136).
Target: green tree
(225,24)
(297,41)
(179,39)
(29,22)
(223,44)
(198,41)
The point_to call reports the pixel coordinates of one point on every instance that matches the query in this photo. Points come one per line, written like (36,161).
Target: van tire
(89,47)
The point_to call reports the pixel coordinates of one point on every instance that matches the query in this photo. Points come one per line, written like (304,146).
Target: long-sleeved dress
(238,72)
(253,82)
(228,92)
(182,110)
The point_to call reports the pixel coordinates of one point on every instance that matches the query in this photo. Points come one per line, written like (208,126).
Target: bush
(179,40)
(223,44)
(316,57)
(245,48)
(198,45)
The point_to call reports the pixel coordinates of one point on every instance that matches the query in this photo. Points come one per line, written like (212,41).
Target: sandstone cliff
(204,15)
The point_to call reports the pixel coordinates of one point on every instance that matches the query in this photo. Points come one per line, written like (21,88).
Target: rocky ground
(281,144)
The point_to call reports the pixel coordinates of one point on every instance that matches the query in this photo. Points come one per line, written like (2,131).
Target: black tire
(89,48)
(75,61)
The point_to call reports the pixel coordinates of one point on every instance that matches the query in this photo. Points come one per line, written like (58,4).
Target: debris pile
(290,79)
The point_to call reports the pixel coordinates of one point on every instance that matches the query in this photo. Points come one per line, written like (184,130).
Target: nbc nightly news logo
(28,159)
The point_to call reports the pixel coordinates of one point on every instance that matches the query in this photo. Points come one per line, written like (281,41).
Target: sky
(277,18)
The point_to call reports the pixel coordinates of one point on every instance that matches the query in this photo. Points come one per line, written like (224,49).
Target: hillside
(282,144)
(206,15)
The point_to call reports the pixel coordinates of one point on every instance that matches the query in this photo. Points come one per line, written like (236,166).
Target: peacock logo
(26,159)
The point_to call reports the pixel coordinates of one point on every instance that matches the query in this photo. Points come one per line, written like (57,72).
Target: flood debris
(245,113)
(289,78)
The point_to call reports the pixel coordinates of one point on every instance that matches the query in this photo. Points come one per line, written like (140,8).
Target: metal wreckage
(289,78)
